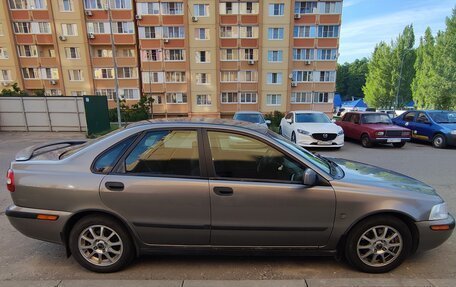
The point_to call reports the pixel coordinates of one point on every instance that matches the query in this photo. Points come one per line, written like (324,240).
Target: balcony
(44,39)
(249,19)
(228,43)
(306,19)
(249,43)
(149,43)
(25,39)
(33,84)
(149,20)
(48,62)
(330,19)
(122,15)
(328,42)
(20,15)
(173,19)
(228,19)
(304,43)
(40,15)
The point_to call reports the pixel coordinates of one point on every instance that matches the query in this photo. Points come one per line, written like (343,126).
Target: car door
(422,127)
(257,196)
(159,186)
(356,124)
(409,122)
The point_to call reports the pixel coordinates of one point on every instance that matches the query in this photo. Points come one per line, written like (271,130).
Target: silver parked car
(211,185)
(252,117)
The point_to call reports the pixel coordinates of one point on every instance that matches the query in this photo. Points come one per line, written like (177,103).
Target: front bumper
(309,141)
(390,140)
(428,238)
(26,221)
(451,139)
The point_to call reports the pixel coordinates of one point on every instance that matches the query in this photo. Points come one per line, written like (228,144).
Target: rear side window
(171,153)
(108,159)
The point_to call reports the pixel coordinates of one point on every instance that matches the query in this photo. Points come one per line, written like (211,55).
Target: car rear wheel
(439,141)
(101,244)
(378,244)
(293,137)
(366,142)
(399,145)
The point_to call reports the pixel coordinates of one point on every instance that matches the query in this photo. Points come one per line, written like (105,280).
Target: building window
(109,93)
(173,32)
(202,79)
(327,54)
(248,76)
(99,27)
(121,4)
(303,54)
(248,97)
(229,8)
(302,76)
(172,8)
(66,5)
(201,10)
(78,93)
(304,32)
(306,7)
(327,7)
(249,54)
(327,76)
(202,34)
(273,99)
(176,98)
(103,53)
(328,31)
(229,31)
(275,56)
(43,27)
(69,29)
(156,99)
(103,73)
(53,92)
(301,97)
(94,4)
(154,55)
(152,77)
(275,33)
(50,73)
(203,100)
(323,97)
(175,77)
(229,76)
(123,28)
(125,53)
(150,8)
(274,78)
(127,73)
(22,27)
(248,8)
(72,53)
(30,73)
(276,9)
(249,32)
(75,75)
(27,4)
(229,54)
(5,75)
(229,97)
(150,32)
(27,51)
(3,53)
(203,57)
(129,94)
(174,55)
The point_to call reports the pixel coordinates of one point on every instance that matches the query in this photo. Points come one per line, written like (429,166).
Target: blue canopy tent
(352,105)
(337,101)
(410,105)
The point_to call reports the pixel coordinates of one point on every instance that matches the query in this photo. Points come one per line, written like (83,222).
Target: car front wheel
(378,244)
(366,142)
(101,244)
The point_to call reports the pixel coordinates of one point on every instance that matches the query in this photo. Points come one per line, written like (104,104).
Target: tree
(342,79)
(378,86)
(15,91)
(351,77)
(422,85)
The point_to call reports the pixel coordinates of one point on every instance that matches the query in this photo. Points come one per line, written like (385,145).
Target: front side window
(409,117)
(165,153)
(241,157)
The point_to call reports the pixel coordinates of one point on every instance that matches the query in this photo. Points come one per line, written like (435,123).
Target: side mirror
(290,121)
(268,122)
(310,177)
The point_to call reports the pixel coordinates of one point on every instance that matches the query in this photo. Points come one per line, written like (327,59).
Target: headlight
(340,133)
(380,133)
(439,211)
(303,132)
(453,132)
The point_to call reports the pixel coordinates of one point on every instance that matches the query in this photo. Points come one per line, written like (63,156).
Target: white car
(311,129)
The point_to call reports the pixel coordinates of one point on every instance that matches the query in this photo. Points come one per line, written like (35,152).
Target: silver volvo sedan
(204,185)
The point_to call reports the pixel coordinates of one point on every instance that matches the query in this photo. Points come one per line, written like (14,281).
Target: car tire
(280,131)
(366,142)
(439,141)
(367,244)
(293,137)
(399,145)
(101,244)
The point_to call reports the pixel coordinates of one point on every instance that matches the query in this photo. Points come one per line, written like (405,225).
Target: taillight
(10,180)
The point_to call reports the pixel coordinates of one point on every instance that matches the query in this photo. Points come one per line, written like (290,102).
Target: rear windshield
(252,118)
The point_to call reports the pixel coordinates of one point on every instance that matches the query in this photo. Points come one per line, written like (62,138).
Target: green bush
(275,118)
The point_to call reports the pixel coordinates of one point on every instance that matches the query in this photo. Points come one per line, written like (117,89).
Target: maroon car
(372,128)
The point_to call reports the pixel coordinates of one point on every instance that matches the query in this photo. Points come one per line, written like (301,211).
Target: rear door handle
(114,185)
(223,191)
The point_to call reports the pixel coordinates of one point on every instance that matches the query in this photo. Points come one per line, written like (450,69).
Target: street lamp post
(114,54)
(400,78)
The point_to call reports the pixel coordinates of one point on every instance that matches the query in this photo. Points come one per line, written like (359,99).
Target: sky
(367,22)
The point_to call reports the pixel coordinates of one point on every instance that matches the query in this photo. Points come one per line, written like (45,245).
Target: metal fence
(42,114)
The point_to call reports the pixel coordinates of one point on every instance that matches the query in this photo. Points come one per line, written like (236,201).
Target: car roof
(306,111)
(248,112)
(364,112)
(200,122)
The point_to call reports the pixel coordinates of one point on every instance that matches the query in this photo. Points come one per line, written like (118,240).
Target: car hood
(319,127)
(385,127)
(364,174)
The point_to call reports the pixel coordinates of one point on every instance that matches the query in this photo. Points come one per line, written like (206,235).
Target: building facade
(194,57)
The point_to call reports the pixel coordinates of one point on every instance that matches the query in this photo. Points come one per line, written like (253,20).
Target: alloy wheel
(100,245)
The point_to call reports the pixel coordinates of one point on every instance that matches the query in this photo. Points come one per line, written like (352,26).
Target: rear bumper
(26,221)
(385,140)
(428,238)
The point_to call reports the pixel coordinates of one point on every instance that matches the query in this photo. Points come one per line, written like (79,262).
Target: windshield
(443,117)
(312,118)
(252,118)
(376,119)
(319,162)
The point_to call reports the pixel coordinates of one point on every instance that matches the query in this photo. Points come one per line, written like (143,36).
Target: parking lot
(22,258)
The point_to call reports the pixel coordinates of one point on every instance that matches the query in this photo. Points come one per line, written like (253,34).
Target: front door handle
(223,191)
(114,185)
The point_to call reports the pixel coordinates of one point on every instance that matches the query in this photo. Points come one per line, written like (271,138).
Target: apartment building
(194,57)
